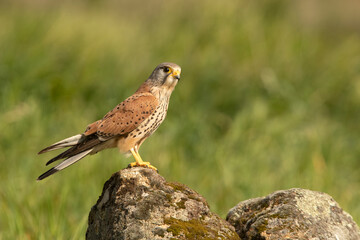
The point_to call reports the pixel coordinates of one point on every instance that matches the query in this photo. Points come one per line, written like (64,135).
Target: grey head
(166,74)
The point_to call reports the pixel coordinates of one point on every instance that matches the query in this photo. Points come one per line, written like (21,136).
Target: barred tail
(64,164)
(68,142)
(80,146)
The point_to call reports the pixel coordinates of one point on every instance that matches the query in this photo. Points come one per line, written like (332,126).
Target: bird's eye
(166,69)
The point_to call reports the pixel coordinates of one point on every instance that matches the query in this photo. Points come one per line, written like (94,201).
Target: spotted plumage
(126,126)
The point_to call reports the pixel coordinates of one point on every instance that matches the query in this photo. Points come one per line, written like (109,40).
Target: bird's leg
(139,162)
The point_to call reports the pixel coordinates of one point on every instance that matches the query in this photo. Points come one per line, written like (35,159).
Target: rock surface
(138,203)
(293,214)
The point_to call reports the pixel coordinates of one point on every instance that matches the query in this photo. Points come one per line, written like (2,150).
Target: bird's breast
(151,123)
(145,129)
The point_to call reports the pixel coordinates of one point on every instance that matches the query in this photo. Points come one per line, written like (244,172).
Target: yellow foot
(143,164)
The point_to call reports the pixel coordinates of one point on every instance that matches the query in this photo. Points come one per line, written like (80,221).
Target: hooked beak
(176,74)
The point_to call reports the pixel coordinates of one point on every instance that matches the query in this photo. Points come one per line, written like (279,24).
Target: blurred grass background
(269,99)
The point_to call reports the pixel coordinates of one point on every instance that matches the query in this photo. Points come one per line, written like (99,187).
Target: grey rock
(293,214)
(138,203)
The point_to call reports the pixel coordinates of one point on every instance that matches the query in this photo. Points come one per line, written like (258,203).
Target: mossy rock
(138,203)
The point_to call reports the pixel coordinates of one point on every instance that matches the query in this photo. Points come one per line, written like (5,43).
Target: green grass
(269,99)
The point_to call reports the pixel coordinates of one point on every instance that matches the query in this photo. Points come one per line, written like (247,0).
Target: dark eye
(166,69)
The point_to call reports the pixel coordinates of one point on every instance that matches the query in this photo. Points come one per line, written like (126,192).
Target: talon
(143,164)
(139,162)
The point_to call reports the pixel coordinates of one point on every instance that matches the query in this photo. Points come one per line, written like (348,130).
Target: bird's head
(165,75)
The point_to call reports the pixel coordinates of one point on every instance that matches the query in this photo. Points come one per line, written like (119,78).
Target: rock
(292,214)
(138,203)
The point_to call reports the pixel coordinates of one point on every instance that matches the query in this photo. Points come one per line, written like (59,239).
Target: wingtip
(42,151)
(40,178)
(47,174)
(51,161)
(67,142)
(45,150)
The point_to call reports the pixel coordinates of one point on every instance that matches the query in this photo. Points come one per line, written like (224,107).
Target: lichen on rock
(293,214)
(138,203)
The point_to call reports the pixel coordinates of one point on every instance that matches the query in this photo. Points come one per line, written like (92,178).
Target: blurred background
(269,99)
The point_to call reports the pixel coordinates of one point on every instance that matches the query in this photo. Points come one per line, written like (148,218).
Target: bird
(126,126)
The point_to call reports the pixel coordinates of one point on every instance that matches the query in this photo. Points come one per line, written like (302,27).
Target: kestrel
(126,126)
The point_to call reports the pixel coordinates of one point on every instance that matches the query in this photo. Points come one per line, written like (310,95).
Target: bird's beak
(176,74)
